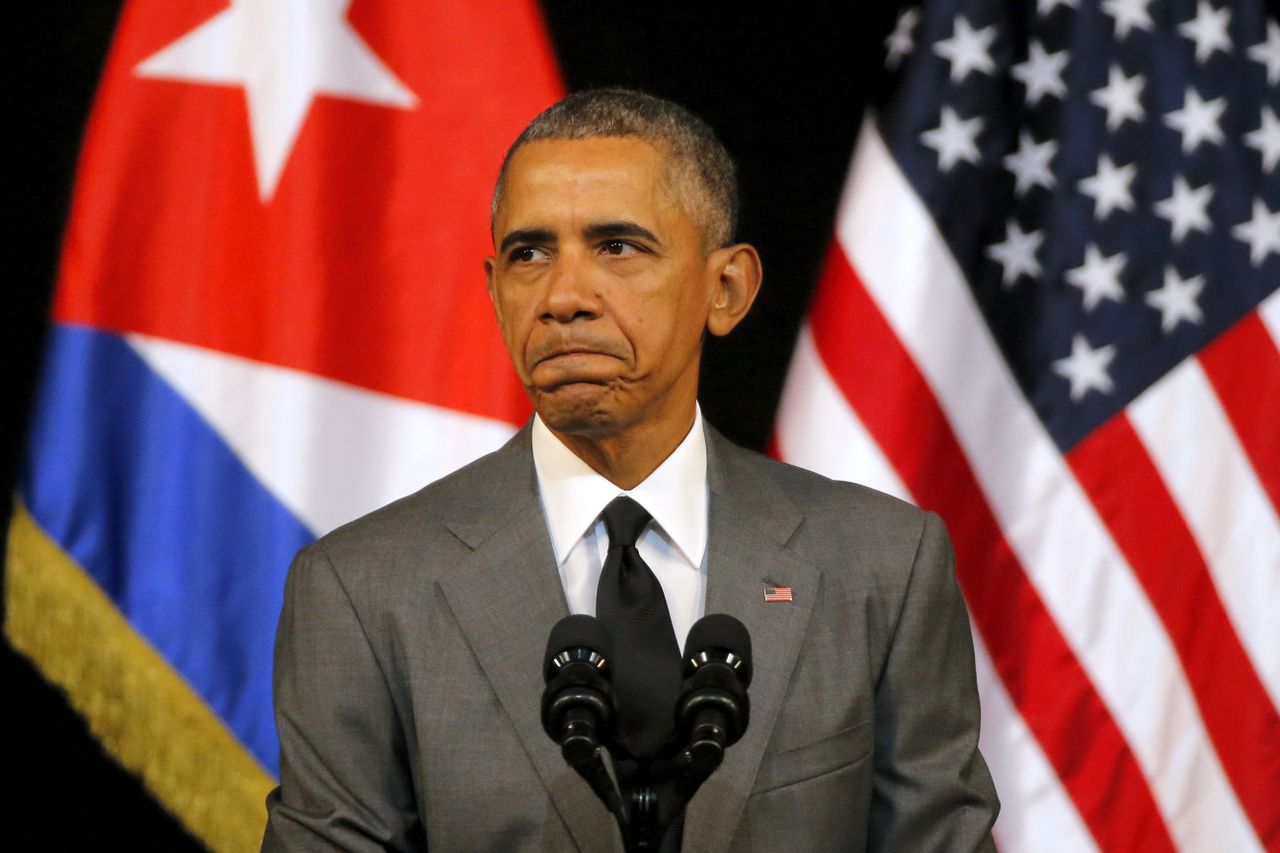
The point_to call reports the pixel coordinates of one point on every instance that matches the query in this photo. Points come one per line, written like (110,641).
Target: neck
(627,457)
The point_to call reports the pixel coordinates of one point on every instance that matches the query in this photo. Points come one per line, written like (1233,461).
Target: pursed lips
(572,365)
(565,352)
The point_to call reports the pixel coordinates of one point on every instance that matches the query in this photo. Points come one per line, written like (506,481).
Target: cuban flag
(270,318)
(1050,312)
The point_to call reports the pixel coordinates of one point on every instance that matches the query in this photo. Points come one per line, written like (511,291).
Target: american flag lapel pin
(774,591)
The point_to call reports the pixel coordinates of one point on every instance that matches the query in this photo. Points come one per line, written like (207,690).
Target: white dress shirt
(674,544)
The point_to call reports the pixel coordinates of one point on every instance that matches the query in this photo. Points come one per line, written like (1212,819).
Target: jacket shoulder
(859,537)
(813,491)
(484,488)
(819,497)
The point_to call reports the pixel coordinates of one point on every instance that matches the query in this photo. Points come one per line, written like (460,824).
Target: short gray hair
(695,157)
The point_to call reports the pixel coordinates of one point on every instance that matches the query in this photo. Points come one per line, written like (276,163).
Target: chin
(573,412)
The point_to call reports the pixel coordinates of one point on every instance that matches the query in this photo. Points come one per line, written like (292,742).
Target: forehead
(610,177)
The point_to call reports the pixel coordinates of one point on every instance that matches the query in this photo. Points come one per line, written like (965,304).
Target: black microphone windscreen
(720,631)
(577,631)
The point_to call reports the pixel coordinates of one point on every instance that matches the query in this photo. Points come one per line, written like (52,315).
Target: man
(408,669)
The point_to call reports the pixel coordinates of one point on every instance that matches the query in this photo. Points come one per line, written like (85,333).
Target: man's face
(600,285)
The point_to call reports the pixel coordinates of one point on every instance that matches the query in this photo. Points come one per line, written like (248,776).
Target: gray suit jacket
(408,675)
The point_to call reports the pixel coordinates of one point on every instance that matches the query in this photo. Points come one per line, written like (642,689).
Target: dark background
(785,89)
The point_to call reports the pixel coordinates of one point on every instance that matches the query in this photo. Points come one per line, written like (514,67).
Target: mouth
(575,364)
(565,351)
(568,353)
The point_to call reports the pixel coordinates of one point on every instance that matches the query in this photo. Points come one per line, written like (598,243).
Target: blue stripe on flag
(143,494)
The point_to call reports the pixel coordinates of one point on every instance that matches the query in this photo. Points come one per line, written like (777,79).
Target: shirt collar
(573,495)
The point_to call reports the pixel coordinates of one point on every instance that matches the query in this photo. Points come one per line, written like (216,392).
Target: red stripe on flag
(1122,482)
(1041,673)
(1243,365)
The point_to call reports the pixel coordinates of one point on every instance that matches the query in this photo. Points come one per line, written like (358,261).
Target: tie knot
(624,519)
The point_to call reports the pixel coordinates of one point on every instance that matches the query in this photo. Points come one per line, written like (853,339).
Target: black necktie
(631,604)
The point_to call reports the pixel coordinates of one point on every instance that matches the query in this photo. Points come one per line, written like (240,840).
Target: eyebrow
(596,231)
(622,228)
(526,235)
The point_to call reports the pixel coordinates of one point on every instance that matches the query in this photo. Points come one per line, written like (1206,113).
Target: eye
(527,254)
(620,248)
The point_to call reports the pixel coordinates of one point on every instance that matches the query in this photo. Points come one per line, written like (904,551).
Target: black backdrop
(785,90)
(784,87)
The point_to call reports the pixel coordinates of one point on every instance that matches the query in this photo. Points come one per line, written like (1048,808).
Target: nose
(571,292)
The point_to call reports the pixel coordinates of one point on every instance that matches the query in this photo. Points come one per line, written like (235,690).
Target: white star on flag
(1197,121)
(1186,209)
(1261,232)
(1268,52)
(900,42)
(1266,139)
(1128,14)
(955,139)
(284,53)
(1086,367)
(1045,7)
(1120,97)
(1041,73)
(1109,187)
(967,50)
(1017,254)
(1176,300)
(1098,277)
(1030,163)
(1208,29)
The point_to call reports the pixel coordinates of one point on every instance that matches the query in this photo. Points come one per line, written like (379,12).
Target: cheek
(662,332)
(513,324)
(517,335)
(512,306)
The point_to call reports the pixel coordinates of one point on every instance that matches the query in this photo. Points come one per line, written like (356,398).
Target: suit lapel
(506,597)
(750,522)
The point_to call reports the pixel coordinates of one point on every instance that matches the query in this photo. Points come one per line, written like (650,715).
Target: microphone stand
(656,791)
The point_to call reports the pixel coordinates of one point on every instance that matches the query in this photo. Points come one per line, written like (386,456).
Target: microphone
(711,714)
(577,704)
(713,710)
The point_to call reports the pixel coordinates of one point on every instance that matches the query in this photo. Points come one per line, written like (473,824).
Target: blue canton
(1106,173)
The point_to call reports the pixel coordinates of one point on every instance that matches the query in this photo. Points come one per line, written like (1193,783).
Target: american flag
(773,592)
(1050,314)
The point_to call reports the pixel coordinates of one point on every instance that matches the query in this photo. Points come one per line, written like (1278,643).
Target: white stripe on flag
(1181,423)
(327,450)
(1035,811)
(1067,551)
(818,430)
(1269,310)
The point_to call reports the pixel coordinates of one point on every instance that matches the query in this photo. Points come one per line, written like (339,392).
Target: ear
(738,272)
(490,269)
